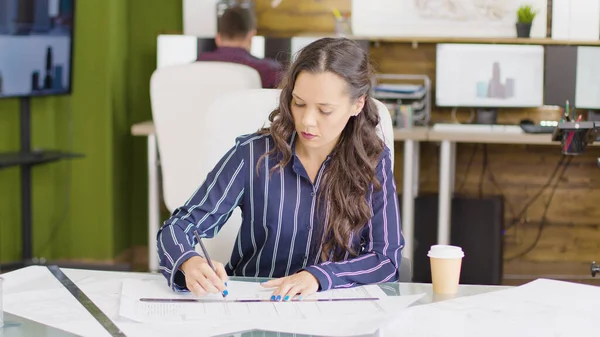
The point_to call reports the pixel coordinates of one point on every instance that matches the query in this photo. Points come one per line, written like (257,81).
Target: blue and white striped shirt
(280,221)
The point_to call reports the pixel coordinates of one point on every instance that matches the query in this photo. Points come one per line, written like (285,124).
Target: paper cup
(446,262)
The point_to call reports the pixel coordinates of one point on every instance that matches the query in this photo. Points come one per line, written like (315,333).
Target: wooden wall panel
(294,17)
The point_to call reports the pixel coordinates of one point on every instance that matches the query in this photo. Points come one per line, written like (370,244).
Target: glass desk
(17,326)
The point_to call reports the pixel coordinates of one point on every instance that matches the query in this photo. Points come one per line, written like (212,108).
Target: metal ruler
(82,298)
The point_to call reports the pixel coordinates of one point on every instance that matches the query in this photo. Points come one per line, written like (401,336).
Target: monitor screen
(299,42)
(258,47)
(183,49)
(587,82)
(489,76)
(36,38)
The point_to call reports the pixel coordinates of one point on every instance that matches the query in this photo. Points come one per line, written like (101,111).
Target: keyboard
(477,128)
(536,128)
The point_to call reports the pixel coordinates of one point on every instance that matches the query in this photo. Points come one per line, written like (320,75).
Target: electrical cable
(455,119)
(469,163)
(492,179)
(483,169)
(62,216)
(543,221)
(519,217)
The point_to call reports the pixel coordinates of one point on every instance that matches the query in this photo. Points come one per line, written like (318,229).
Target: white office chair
(250,110)
(180,97)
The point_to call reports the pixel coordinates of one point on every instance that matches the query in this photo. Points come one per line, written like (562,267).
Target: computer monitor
(587,83)
(182,49)
(489,76)
(299,42)
(258,47)
(560,74)
(36,43)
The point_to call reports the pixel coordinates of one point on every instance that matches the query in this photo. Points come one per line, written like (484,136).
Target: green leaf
(526,14)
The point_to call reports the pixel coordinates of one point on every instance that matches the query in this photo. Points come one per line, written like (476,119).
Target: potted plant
(525,16)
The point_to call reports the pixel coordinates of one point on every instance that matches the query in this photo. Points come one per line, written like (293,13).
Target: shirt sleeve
(380,259)
(271,74)
(206,211)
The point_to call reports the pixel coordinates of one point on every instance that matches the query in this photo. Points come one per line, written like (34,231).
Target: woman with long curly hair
(316,190)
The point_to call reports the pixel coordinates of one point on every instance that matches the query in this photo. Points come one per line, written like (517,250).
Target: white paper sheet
(56,308)
(322,318)
(539,308)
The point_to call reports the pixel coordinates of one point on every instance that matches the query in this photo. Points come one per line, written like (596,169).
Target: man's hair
(236,22)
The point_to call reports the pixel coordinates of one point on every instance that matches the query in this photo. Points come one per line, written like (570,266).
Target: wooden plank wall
(570,236)
(294,17)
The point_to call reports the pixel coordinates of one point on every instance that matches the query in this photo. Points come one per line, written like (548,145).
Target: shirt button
(312,194)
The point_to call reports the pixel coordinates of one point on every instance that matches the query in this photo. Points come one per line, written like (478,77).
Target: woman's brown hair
(351,170)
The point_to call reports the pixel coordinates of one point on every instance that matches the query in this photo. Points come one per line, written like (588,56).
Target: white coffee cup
(446,262)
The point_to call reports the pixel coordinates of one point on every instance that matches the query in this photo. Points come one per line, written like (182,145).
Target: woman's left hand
(302,284)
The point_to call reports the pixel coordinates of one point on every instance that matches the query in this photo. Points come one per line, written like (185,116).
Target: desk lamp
(574,137)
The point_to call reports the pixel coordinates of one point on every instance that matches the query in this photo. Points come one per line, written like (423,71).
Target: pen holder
(573,142)
(343,26)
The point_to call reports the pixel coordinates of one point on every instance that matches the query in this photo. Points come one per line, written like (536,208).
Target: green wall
(94,207)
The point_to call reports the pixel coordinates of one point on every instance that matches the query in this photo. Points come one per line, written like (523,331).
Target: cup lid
(445,252)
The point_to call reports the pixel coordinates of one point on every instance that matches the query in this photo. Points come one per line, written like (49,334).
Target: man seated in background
(236,27)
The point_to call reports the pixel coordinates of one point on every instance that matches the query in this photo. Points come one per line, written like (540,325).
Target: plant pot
(523,29)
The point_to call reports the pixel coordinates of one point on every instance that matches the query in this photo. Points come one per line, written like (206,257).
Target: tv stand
(26,158)
(487,116)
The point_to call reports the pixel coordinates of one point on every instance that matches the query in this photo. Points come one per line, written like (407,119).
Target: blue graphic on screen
(494,87)
(35,45)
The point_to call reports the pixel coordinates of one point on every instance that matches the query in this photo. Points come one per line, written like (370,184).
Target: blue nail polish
(287,298)
(278,298)
(225,292)
(299,298)
(226,284)
(273,298)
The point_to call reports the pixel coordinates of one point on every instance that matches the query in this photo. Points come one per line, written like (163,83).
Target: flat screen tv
(36,47)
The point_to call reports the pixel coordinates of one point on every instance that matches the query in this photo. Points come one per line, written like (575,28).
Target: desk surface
(491,137)
(423,133)
(418,133)
(36,301)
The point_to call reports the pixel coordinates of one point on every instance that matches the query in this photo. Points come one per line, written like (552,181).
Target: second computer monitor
(587,92)
(489,76)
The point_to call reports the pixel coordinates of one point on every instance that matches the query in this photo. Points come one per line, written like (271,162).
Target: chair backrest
(386,128)
(234,114)
(180,96)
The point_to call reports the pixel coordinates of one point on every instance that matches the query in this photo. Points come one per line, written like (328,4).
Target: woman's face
(321,108)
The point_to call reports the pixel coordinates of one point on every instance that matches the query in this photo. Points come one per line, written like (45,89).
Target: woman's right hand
(201,279)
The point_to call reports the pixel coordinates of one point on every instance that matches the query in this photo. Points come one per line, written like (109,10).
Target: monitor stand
(487,116)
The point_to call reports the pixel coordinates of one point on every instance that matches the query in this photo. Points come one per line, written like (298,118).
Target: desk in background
(448,141)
